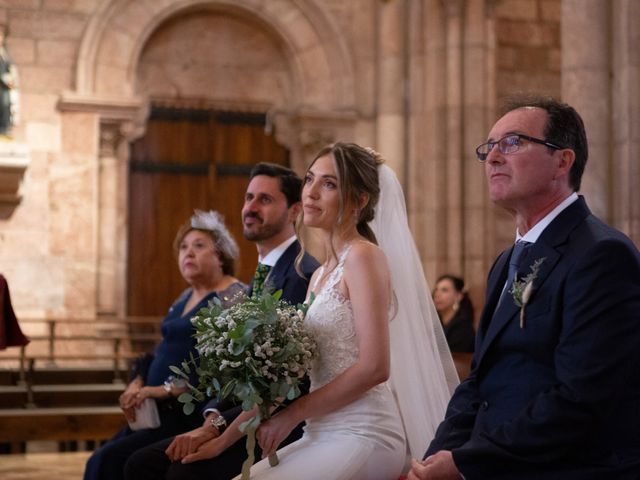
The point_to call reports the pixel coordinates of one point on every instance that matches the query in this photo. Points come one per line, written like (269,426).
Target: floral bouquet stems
(250,427)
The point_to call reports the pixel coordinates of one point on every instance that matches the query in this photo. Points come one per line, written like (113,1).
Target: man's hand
(183,445)
(436,467)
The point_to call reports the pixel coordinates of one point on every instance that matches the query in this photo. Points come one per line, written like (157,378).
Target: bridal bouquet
(256,352)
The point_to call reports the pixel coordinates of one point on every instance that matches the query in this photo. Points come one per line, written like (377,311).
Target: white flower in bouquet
(256,351)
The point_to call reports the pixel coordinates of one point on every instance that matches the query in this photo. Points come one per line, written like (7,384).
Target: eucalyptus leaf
(247,404)
(188,408)
(215,383)
(284,388)
(179,372)
(294,392)
(228,388)
(185,367)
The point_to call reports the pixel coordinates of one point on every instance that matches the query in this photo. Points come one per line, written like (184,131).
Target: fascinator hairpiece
(212,221)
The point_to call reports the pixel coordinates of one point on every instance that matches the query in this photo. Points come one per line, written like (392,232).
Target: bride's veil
(423,375)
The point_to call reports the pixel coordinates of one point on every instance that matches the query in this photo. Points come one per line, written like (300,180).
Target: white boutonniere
(521,290)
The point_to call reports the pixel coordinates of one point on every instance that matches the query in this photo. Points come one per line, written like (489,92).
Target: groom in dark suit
(554,391)
(271,205)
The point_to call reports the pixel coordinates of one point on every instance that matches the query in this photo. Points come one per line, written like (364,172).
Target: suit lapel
(495,282)
(549,246)
(278,273)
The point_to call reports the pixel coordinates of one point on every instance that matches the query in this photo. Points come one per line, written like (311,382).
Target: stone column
(478,226)
(625,135)
(426,186)
(390,123)
(114,123)
(112,225)
(586,86)
(454,10)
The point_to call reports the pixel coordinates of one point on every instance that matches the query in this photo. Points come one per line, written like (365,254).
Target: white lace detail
(330,317)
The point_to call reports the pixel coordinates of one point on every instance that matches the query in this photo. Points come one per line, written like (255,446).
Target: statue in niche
(9,96)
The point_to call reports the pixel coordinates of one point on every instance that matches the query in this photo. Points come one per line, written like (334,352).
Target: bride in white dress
(355,430)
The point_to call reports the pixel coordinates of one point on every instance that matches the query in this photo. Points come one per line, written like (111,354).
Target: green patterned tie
(262,271)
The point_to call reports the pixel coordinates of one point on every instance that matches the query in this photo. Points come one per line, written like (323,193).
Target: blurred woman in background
(456,313)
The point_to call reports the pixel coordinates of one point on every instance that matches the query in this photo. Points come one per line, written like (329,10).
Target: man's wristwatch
(218,422)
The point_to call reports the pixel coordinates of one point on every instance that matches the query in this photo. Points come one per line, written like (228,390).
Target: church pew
(60,395)
(462,362)
(62,423)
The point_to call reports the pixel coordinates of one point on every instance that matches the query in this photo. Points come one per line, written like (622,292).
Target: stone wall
(528,53)
(419,80)
(47,243)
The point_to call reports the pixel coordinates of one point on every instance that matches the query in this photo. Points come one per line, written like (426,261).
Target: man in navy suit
(271,205)
(554,391)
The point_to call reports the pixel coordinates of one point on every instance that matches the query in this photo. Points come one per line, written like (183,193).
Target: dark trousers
(107,463)
(151,463)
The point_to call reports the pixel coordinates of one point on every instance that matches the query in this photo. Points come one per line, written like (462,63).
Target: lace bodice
(330,321)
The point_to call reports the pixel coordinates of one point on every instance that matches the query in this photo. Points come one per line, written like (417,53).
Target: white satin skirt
(361,441)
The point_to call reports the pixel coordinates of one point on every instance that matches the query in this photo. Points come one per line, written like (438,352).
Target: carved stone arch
(321,63)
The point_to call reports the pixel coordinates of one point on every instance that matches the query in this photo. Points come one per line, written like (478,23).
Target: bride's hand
(209,449)
(271,433)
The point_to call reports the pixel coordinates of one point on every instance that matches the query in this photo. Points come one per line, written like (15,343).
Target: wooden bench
(63,403)
(462,361)
(119,332)
(91,370)
(60,395)
(114,329)
(27,362)
(61,424)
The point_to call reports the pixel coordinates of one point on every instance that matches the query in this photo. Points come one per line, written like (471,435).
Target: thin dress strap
(335,275)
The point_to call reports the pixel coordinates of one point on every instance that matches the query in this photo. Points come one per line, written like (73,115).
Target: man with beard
(271,205)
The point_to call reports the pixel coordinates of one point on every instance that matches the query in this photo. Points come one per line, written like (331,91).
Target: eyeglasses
(510,144)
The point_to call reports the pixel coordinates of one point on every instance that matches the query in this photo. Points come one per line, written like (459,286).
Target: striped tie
(259,277)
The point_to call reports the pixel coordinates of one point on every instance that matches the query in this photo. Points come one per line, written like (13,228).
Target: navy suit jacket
(283,276)
(559,398)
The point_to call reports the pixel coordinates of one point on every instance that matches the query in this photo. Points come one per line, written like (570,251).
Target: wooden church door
(188,159)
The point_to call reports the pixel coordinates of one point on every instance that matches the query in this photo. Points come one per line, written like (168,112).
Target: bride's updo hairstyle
(357,172)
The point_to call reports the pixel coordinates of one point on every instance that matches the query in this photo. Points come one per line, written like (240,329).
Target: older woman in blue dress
(206,256)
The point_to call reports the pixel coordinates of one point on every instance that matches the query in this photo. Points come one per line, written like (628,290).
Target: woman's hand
(209,449)
(270,434)
(150,392)
(128,399)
